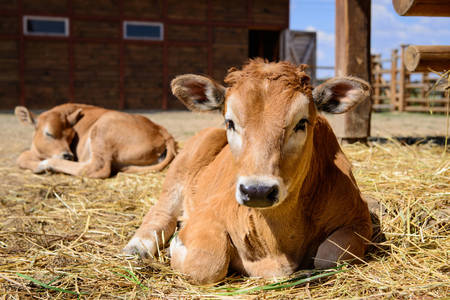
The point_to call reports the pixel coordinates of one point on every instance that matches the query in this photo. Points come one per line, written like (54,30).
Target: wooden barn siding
(46,6)
(143,76)
(97,74)
(151,9)
(9,74)
(46,73)
(8,25)
(9,4)
(95,65)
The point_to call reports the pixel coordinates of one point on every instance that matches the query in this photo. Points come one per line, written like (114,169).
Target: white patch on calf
(142,247)
(299,110)
(43,166)
(234,137)
(177,249)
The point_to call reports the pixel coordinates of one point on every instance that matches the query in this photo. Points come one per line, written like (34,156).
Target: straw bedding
(61,236)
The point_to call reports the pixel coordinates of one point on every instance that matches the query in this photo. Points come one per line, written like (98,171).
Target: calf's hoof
(144,248)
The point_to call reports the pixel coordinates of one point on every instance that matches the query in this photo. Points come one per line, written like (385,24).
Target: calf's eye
(49,135)
(301,125)
(229,124)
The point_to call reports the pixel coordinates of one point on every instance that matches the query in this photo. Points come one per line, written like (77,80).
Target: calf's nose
(67,156)
(258,195)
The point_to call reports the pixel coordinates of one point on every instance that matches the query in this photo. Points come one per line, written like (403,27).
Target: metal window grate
(47,26)
(143,30)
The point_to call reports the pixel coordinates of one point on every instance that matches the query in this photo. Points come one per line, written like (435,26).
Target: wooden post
(402,83)
(393,87)
(353,58)
(426,8)
(424,88)
(421,58)
(376,87)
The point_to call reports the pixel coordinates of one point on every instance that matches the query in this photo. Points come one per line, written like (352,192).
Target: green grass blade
(55,279)
(282,284)
(44,285)
(132,279)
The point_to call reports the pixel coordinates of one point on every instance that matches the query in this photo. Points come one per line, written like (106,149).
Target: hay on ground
(67,232)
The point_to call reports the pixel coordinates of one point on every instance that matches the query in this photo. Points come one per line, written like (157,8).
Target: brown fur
(102,141)
(320,220)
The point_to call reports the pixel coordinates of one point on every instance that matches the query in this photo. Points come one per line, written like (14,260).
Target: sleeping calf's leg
(342,245)
(201,251)
(27,160)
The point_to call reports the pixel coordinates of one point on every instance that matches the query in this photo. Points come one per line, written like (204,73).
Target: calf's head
(270,111)
(53,132)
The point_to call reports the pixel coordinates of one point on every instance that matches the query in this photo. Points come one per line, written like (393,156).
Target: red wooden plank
(21,56)
(210,40)
(122,60)
(71,55)
(165,63)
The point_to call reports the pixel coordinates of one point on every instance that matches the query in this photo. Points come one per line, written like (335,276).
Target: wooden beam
(393,86)
(402,81)
(353,58)
(421,58)
(426,8)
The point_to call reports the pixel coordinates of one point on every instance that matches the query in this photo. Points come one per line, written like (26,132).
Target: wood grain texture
(423,58)
(97,74)
(9,76)
(353,59)
(143,76)
(426,8)
(46,73)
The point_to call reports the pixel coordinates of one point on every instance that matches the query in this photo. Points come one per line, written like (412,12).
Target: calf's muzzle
(258,195)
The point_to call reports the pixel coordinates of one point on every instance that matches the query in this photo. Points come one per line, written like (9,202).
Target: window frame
(45,18)
(159,24)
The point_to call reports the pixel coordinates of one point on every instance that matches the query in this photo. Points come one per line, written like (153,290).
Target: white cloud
(323,38)
(389,30)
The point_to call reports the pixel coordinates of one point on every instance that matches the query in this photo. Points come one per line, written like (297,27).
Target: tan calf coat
(270,194)
(90,141)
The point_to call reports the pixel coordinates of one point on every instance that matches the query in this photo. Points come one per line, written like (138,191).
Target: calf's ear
(74,117)
(198,93)
(340,94)
(25,116)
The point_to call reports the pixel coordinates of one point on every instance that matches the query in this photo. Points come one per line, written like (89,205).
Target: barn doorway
(264,43)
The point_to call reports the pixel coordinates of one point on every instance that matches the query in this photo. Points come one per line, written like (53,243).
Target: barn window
(143,30)
(53,26)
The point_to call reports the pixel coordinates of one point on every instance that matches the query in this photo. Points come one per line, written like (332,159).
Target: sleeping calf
(90,141)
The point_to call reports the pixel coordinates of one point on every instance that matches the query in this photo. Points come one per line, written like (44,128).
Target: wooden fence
(395,88)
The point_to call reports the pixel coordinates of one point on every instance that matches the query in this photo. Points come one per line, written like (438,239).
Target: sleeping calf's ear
(74,117)
(25,116)
(340,94)
(198,93)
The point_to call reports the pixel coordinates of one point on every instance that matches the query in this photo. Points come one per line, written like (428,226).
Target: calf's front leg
(96,167)
(201,250)
(27,160)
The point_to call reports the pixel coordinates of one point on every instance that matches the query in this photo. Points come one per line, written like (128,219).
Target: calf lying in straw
(90,141)
(270,194)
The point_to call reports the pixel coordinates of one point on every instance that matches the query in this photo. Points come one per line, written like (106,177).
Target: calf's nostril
(67,156)
(259,192)
(273,193)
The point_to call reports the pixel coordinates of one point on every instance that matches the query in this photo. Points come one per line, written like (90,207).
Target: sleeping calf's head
(53,132)
(270,111)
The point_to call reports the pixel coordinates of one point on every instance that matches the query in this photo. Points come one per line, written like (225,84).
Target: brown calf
(270,194)
(90,141)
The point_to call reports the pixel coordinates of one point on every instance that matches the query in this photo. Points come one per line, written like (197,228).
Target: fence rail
(395,88)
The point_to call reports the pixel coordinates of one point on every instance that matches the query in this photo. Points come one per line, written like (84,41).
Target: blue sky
(389,30)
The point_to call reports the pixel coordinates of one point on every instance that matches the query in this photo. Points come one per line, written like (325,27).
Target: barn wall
(96,65)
